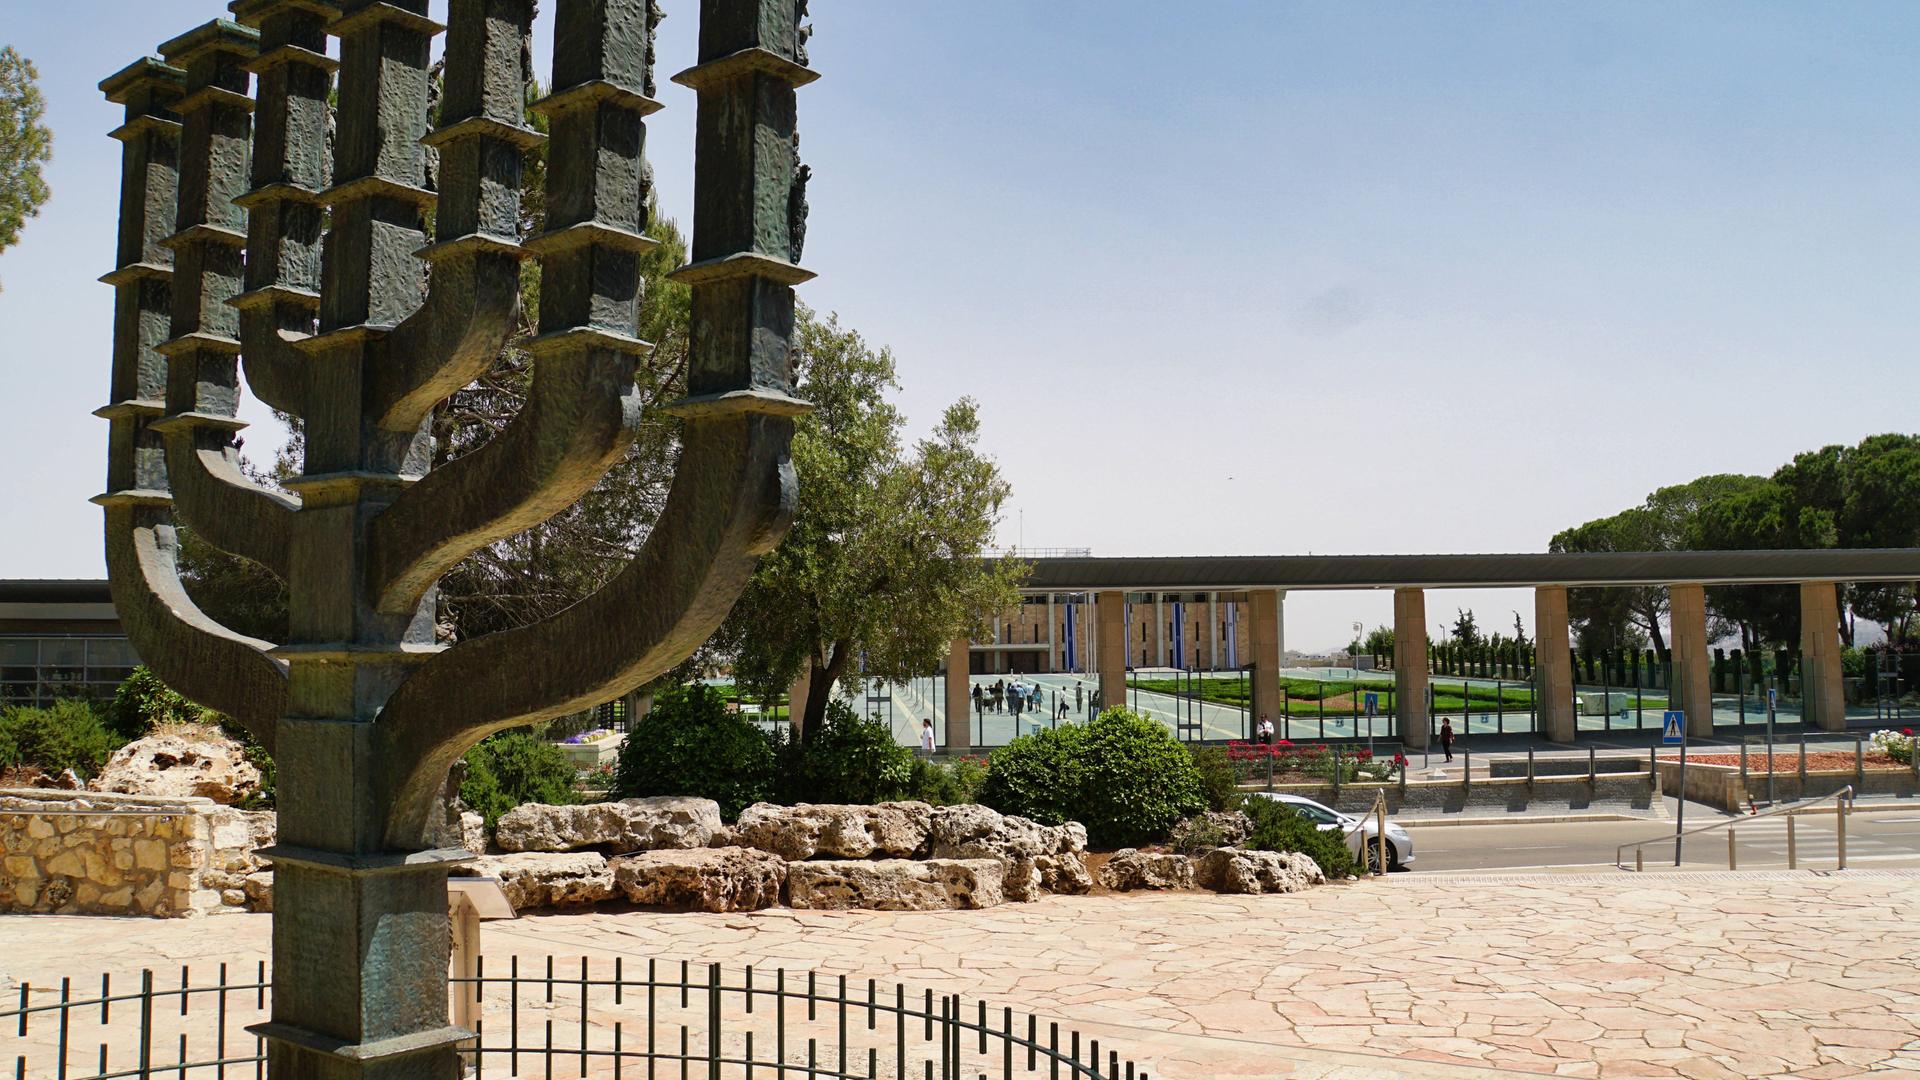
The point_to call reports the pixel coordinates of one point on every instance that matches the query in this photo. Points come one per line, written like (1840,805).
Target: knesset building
(1106,615)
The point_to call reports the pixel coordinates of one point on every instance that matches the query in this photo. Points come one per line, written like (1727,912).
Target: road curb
(1519,819)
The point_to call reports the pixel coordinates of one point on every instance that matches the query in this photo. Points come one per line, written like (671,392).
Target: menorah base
(361,945)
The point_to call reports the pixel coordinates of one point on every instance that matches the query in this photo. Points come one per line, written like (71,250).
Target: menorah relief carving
(267,229)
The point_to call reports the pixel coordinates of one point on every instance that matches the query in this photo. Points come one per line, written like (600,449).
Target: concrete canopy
(1520,570)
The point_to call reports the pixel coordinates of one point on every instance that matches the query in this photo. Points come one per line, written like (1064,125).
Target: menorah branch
(473,305)
(668,601)
(579,418)
(195,655)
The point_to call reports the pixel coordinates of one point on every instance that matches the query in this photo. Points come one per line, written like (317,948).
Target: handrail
(1845,795)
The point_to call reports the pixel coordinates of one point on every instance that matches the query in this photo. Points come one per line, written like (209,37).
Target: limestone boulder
(895,830)
(1212,829)
(259,889)
(895,884)
(1037,858)
(197,761)
(705,879)
(538,879)
(1131,869)
(652,824)
(473,832)
(1233,870)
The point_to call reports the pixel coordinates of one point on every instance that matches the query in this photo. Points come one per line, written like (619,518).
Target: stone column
(1553,663)
(1692,666)
(1264,608)
(1410,666)
(1110,613)
(1824,691)
(959,698)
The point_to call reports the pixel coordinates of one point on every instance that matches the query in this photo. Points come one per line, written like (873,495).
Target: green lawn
(1309,697)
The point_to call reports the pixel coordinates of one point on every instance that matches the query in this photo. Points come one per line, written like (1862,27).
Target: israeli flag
(1071,639)
(1179,635)
(1233,645)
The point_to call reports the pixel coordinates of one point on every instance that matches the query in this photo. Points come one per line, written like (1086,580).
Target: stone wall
(93,853)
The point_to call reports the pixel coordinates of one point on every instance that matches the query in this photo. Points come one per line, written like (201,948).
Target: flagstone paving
(1698,975)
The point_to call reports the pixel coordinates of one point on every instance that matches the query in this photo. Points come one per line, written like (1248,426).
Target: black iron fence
(648,1019)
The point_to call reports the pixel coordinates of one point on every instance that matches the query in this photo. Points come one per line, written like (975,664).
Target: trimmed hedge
(690,744)
(1123,776)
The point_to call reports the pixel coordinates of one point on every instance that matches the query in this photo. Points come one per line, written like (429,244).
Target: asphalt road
(1879,839)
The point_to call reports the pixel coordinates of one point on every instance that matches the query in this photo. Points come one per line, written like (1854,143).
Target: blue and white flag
(1071,639)
(1128,652)
(1233,645)
(1179,635)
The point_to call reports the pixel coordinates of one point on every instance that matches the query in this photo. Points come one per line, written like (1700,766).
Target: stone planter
(586,756)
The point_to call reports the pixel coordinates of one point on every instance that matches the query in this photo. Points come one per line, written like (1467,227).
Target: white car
(1360,832)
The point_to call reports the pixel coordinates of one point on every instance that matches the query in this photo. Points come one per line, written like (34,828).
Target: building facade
(60,638)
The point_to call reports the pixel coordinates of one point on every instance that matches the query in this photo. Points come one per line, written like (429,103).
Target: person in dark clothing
(1446,737)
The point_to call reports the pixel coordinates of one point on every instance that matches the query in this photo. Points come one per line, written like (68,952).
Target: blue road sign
(1770,695)
(1673,729)
(1373,700)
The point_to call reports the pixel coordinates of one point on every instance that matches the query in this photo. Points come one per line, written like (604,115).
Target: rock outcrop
(1211,829)
(186,762)
(1038,858)
(1131,869)
(537,879)
(661,822)
(1232,870)
(895,830)
(895,884)
(707,879)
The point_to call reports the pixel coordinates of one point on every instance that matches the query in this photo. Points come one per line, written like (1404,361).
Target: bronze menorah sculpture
(254,232)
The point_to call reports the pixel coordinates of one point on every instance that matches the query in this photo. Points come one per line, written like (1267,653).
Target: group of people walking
(1017,697)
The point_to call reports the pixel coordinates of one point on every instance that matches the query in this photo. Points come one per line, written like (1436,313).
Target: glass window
(111,653)
(19,652)
(63,652)
(1315,814)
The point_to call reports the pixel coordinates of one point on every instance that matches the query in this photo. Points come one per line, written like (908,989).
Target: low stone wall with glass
(1721,787)
(91,853)
(1631,794)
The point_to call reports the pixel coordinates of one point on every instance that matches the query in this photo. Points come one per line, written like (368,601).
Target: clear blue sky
(1245,277)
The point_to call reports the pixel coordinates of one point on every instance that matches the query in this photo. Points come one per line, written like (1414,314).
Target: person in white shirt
(926,736)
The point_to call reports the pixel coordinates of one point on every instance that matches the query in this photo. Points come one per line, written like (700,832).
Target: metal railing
(649,1019)
(1843,803)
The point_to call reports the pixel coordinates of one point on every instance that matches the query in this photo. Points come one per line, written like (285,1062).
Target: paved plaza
(1698,975)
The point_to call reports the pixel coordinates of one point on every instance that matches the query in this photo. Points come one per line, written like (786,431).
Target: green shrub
(849,758)
(143,703)
(1278,828)
(512,768)
(949,784)
(65,735)
(1218,783)
(1123,776)
(691,745)
(1038,776)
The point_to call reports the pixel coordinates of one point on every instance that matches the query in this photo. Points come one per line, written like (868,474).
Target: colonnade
(1824,700)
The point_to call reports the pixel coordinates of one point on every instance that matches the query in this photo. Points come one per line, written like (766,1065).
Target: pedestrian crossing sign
(1373,702)
(1673,730)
